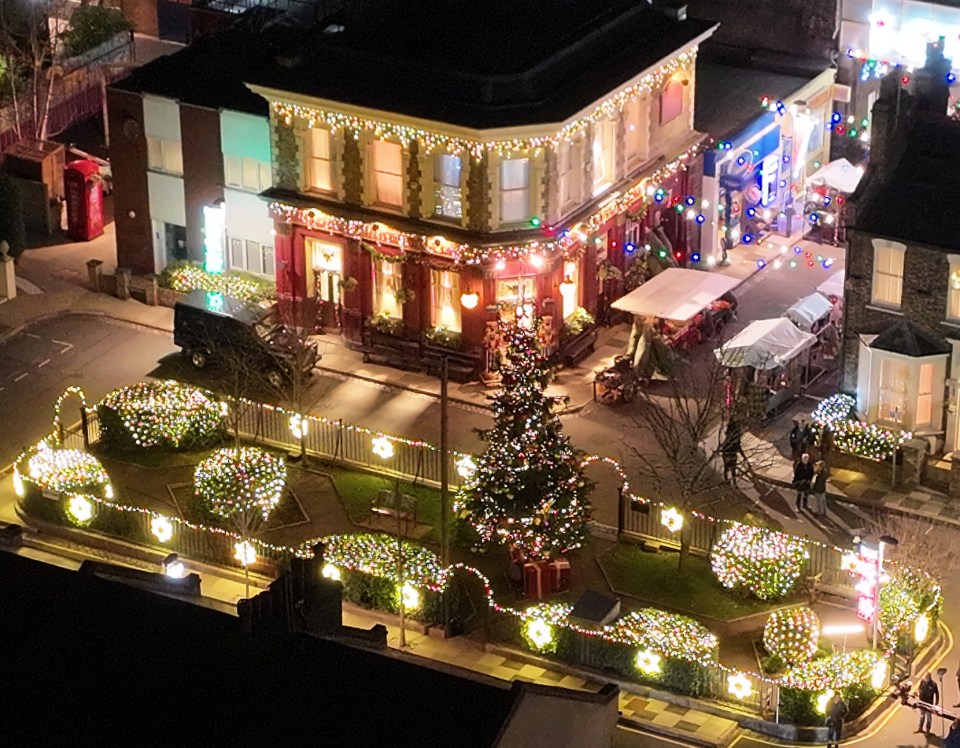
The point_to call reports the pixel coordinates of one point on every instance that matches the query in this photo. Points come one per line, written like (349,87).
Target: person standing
(826,443)
(836,712)
(806,436)
(929,694)
(819,489)
(796,441)
(730,450)
(802,476)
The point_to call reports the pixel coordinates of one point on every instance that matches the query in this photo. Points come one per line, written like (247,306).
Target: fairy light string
(653,632)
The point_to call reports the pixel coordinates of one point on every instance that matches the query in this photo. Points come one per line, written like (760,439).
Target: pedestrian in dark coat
(953,737)
(802,477)
(836,712)
(819,488)
(826,443)
(796,441)
(806,435)
(929,694)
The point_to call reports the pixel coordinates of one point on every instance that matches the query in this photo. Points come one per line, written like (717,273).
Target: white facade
(245,143)
(161,125)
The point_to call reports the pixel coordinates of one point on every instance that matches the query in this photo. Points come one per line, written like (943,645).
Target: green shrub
(442,337)
(579,321)
(378,593)
(685,677)
(35,504)
(90,26)
(184,277)
(772,664)
(385,324)
(126,525)
(799,707)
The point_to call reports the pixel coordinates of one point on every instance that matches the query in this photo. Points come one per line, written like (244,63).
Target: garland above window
(287,112)
(569,241)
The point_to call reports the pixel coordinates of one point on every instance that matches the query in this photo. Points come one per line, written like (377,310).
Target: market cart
(811,313)
(769,361)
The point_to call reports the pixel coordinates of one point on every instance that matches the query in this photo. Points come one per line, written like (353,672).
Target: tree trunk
(684,546)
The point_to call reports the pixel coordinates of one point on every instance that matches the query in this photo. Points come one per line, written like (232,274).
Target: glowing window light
(80,509)
(466,467)
(409,596)
(162,529)
(671,519)
(738,685)
(537,261)
(330,571)
(539,632)
(648,662)
(245,553)
(382,447)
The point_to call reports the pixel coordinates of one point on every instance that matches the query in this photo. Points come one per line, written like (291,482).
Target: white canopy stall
(841,175)
(833,286)
(768,362)
(809,311)
(676,294)
(765,344)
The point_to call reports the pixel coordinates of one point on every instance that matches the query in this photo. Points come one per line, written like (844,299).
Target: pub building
(427,186)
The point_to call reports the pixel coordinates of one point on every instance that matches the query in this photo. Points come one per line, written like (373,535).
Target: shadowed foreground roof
(92,662)
(908,339)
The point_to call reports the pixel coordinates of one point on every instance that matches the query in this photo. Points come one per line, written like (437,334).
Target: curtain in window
(894,376)
(388,172)
(386,283)
(445,299)
(321,175)
(448,186)
(515,190)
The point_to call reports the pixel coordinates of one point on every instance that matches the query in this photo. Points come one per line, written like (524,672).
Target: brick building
(901,347)
(430,181)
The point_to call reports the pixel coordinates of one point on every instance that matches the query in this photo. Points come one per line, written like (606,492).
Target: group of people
(809,476)
(927,694)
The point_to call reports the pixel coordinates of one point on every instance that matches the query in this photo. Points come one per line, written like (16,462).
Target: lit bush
(186,277)
(248,480)
(67,471)
(162,415)
(792,635)
(762,562)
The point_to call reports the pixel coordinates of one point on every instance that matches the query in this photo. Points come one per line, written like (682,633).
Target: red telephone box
(81,182)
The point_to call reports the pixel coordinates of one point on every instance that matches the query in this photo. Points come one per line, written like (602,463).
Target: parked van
(213,328)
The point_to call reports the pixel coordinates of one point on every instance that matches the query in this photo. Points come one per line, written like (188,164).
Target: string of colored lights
(242,480)
(792,635)
(187,278)
(765,562)
(72,391)
(855,436)
(164,414)
(565,241)
(288,112)
(61,470)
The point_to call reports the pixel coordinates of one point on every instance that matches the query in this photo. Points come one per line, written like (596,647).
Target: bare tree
(300,322)
(691,424)
(923,542)
(31,36)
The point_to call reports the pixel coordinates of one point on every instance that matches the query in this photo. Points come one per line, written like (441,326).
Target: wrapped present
(536,580)
(559,575)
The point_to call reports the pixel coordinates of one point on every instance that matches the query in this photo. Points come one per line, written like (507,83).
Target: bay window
(387,277)
(387,159)
(445,299)
(515,190)
(894,377)
(924,416)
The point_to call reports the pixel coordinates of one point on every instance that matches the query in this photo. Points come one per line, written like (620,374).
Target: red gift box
(536,580)
(560,575)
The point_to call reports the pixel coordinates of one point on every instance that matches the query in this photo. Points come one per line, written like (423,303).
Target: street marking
(67,346)
(25,374)
(31,335)
(43,363)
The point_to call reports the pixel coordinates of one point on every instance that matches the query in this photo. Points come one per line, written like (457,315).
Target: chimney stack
(932,87)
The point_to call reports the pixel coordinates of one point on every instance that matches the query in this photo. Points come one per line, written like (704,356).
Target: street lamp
(383,448)
(173,567)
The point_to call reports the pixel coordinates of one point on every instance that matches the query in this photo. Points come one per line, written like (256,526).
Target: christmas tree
(528,489)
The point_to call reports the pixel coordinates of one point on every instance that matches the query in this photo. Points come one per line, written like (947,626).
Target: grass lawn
(653,578)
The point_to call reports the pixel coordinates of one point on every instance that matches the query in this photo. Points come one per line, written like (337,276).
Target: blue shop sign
(760,143)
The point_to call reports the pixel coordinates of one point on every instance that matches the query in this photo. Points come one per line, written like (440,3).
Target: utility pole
(444,485)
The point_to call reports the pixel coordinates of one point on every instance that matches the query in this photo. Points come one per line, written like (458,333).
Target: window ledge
(952,323)
(885,309)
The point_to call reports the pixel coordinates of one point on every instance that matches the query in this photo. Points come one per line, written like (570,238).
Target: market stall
(827,189)
(768,361)
(811,313)
(686,305)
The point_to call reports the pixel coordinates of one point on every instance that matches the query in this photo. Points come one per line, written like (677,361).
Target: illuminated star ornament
(382,447)
(671,519)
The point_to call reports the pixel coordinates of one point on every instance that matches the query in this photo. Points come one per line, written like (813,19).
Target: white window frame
(239,256)
(518,193)
(603,151)
(164,155)
(317,164)
(377,172)
(887,391)
(449,196)
(445,299)
(246,173)
(925,396)
(387,284)
(570,177)
(633,136)
(888,262)
(953,288)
